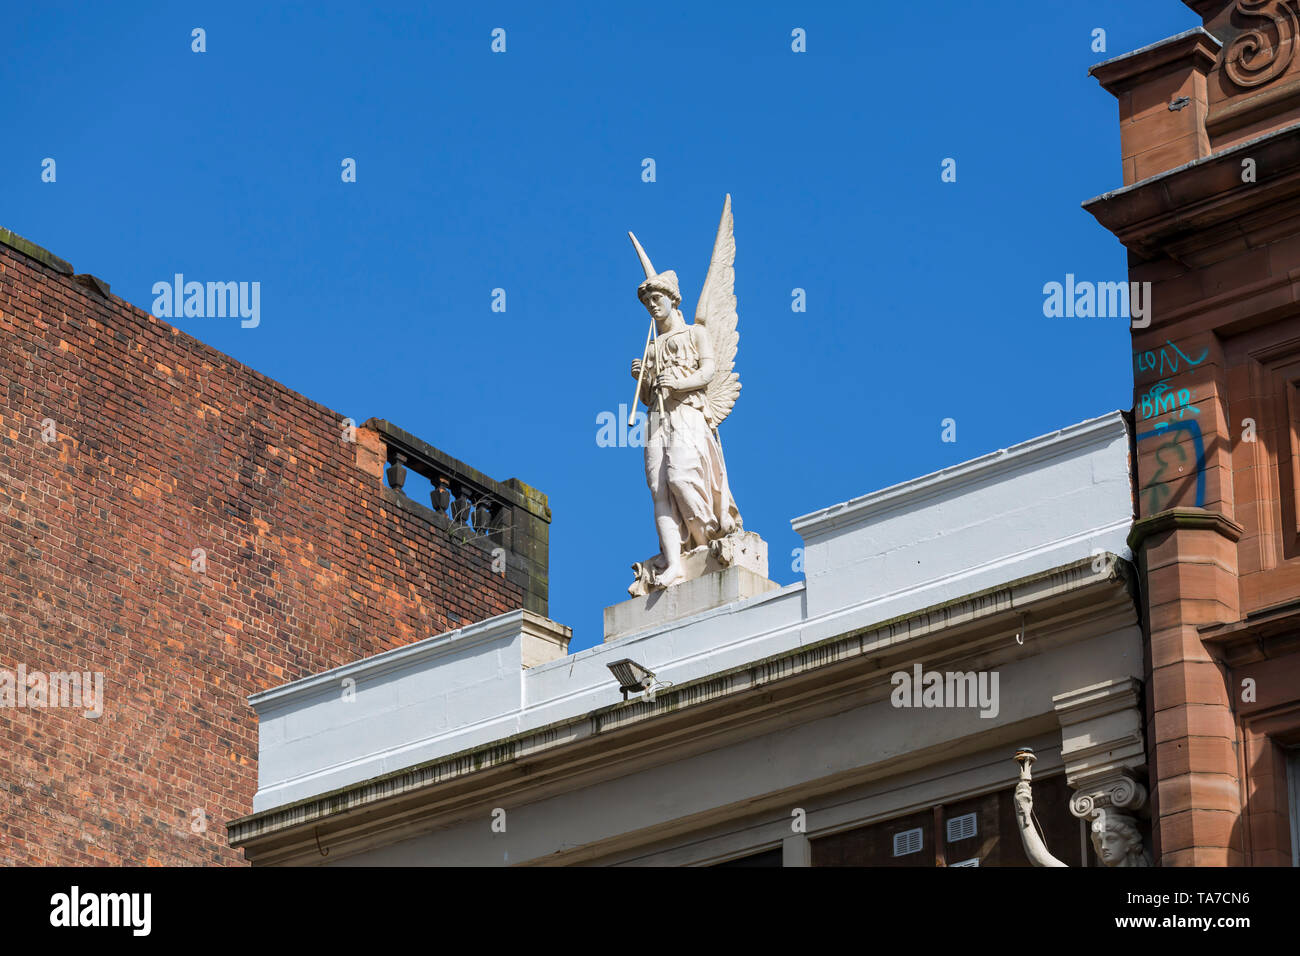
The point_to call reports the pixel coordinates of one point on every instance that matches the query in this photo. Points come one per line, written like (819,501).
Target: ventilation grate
(961,828)
(909,841)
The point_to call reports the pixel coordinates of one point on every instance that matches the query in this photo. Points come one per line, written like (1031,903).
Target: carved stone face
(1114,844)
(659,306)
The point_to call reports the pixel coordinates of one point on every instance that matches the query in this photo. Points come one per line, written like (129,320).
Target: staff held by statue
(649,339)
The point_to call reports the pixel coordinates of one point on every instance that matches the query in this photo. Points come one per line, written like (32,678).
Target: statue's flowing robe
(682,452)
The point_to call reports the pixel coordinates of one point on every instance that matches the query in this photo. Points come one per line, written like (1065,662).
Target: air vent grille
(909,841)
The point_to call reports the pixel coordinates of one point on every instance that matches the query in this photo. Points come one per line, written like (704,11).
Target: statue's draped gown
(682,453)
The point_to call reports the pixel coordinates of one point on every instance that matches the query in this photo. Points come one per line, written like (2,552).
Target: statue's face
(659,305)
(1112,845)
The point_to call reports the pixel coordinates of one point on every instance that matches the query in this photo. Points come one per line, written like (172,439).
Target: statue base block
(703,593)
(738,549)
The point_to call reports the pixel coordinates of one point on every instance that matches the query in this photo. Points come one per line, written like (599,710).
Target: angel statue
(685,380)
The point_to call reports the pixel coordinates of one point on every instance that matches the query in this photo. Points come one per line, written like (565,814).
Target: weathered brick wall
(165,445)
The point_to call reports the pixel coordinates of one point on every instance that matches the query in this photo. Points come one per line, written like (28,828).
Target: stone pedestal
(732,569)
(682,600)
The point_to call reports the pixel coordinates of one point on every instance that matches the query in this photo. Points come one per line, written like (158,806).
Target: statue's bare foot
(728,526)
(671,575)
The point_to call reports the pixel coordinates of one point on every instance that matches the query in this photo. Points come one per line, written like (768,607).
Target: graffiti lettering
(1161,359)
(1160,398)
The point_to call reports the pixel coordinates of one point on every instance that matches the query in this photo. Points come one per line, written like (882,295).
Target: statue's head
(659,294)
(1117,840)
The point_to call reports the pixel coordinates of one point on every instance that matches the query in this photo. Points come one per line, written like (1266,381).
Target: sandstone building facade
(1209,211)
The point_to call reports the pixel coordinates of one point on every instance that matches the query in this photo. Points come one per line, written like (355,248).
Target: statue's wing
(717,313)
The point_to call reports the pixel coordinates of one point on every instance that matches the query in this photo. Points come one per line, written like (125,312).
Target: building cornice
(1197,46)
(1202,199)
(733,700)
(1265,634)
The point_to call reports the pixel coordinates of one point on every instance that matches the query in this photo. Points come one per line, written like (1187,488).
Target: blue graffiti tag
(1147,361)
(1160,399)
(1198,444)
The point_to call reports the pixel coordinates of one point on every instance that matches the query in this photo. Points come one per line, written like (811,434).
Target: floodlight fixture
(631,676)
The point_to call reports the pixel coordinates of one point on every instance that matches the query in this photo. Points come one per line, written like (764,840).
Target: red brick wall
(165,445)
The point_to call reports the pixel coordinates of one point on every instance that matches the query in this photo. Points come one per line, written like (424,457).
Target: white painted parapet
(1038,505)
(398,708)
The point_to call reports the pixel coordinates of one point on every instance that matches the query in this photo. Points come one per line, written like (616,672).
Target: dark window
(995,840)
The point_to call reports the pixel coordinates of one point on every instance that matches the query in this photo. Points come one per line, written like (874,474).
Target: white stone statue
(1115,835)
(1117,840)
(685,380)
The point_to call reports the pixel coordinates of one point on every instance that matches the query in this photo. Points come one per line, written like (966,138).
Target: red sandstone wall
(1217,408)
(165,445)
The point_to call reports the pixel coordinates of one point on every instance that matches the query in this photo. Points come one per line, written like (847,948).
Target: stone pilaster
(1188,558)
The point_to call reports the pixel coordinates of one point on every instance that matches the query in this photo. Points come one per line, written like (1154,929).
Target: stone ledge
(1194,47)
(94,284)
(33,251)
(1183,519)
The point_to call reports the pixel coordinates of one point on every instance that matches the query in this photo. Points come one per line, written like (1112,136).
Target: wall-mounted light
(631,676)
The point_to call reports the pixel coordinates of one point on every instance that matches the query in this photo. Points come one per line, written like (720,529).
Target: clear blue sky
(523,170)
